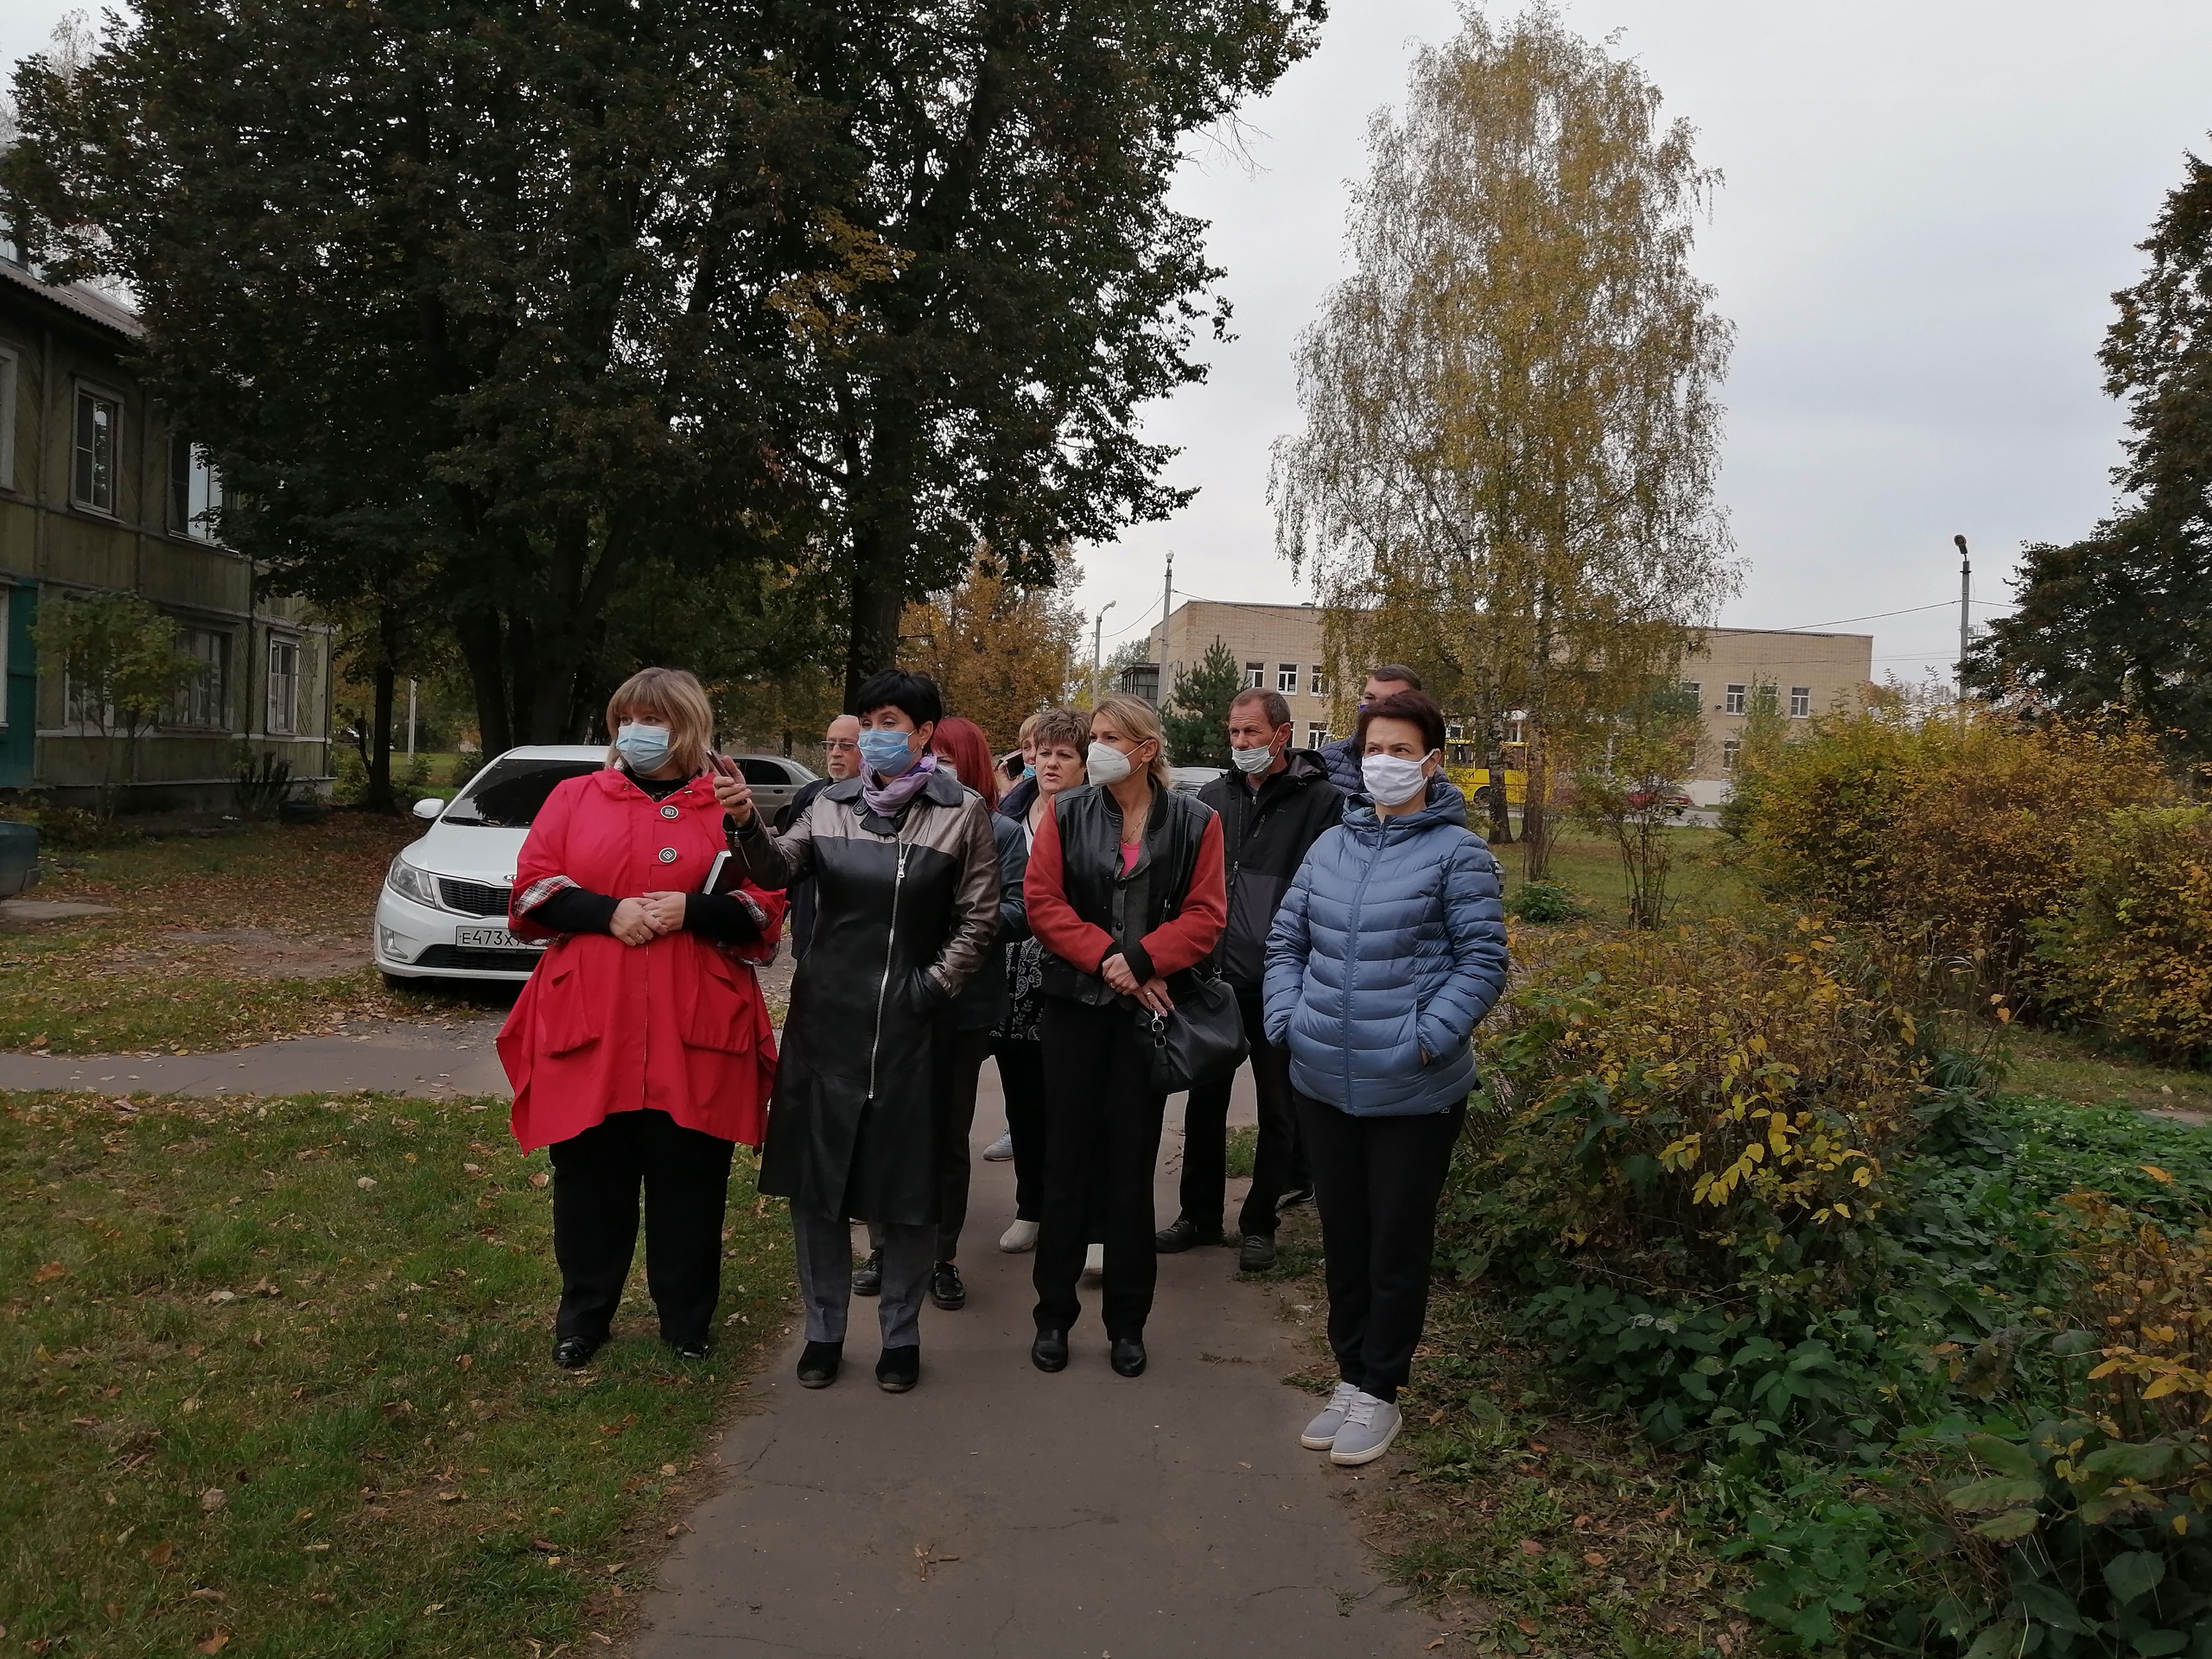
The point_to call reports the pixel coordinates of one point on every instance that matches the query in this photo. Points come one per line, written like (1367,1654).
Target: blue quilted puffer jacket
(1390,947)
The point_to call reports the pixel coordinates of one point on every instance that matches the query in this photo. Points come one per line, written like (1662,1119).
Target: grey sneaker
(1001,1151)
(1369,1426)
(1321,1433)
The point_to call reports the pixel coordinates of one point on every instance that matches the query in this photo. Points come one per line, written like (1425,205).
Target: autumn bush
(1684,1108)
(1960,836)
(2129,950)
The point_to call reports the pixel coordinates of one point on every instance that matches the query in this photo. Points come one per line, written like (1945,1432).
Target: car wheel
(393,981)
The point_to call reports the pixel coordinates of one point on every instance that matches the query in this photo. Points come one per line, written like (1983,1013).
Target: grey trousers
(825,1246)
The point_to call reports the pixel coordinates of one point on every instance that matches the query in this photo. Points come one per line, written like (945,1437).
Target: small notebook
(714,872)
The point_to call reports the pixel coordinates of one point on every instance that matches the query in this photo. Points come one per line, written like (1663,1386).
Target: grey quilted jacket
(1388,950)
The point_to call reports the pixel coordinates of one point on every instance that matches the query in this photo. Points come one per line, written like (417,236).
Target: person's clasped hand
(665,910)
(640,921)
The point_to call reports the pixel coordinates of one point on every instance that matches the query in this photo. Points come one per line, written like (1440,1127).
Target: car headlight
(408,882)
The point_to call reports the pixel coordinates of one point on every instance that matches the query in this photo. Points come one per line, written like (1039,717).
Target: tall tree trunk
(879,595)
(1536,817)
(1496,794)
(379,798)
(483,646)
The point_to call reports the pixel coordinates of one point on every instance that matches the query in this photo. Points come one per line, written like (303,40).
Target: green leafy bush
(2131,951)
(1546,904)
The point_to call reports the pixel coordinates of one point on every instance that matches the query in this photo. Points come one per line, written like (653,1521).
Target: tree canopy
(1195,719)
(1511,433)
(2121,621)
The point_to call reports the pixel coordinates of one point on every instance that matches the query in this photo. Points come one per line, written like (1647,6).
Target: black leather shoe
(1050,1351)
(946,1288)
(1256,1253)
(693,1347)
(1292,1199)
(1182,1235)
(900,1369)
(574,1353)
(1127,1357)
(818,1362)
(867,1278)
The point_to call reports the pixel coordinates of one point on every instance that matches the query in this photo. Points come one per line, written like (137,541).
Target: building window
(1695,692)
(284,686)
(1317,682)
(1730,749)
(1801,702)
(1316,734)
(1255,676)
(8,385)
(196,490)
(1736,699)
(98,417)
(1455,733)
(205,700)
(1286,678)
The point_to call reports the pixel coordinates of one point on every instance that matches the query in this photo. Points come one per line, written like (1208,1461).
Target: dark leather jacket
(1130,905)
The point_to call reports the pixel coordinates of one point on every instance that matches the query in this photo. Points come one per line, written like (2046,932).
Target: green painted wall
(19,743)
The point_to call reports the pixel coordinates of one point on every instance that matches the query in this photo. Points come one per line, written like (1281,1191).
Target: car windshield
(508,794)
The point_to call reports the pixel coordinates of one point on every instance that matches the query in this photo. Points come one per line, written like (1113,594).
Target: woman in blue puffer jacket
(1387,952)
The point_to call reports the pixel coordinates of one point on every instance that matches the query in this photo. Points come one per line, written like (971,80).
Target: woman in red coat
(641,1050)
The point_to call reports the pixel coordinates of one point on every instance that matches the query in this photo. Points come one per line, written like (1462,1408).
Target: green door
(19,696)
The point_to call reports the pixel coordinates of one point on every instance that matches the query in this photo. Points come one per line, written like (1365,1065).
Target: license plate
(494,938)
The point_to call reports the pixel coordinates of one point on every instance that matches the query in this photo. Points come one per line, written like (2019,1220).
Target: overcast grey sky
(1927,206)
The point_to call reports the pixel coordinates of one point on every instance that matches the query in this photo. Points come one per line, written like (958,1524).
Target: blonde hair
(1136,719)
(673,695)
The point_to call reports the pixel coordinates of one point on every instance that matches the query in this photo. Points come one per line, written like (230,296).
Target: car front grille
(474,898)
(478,959)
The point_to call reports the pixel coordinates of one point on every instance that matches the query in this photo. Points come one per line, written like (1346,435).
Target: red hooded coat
(602,1026)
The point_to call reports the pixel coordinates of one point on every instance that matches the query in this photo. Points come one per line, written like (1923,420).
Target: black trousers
(596,1176)
(1376,1181)
(955,1063)
(1278,1163)
(1101,1140)
(1021,1080)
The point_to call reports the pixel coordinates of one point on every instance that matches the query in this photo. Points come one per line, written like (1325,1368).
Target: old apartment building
(1279,648)
(98,493)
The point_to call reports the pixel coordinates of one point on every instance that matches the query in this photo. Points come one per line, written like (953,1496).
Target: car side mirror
(429,807)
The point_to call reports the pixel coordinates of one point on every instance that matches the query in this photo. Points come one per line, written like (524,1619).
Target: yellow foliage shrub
(2131,950)
(1714,1101)
(2148,1293)
(1960,837)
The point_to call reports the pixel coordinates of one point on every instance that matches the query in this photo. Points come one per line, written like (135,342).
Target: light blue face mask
(645,748)
(886,753)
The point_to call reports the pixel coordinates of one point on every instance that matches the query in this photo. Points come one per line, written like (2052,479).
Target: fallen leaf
(49,1273)
(366,1183)
(1530,1547)
(448,1497)
(1593,1558)
(160,1554)
(217,1641)
(207,1595)
(1437,1643)
(1528,1627)
(545,1544)
(541,1178)
(213,1499)
(219,1297)
(464,1360)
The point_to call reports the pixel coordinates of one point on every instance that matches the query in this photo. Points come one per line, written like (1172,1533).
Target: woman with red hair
(964,1036)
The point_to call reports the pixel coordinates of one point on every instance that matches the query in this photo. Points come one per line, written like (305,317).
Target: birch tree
(1505,474)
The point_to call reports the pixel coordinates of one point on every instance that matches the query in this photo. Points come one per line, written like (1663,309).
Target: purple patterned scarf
(887,800)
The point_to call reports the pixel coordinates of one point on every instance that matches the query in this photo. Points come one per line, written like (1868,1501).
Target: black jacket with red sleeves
(1265,833)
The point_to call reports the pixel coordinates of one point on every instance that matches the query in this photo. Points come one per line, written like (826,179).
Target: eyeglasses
(837,743)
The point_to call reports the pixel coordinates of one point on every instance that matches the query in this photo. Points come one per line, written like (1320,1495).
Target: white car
(443,911)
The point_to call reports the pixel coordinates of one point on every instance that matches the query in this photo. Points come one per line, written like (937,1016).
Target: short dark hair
(914,695)
(1278,711)
(1417,708)
(1396,673)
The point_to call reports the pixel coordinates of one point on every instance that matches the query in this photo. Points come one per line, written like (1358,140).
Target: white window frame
(1316,734)
(282,721)
(1732,749)
(1801,703)
(186,523)
(11,384)
(219,718)
(1255,675)
(1286,679)
(98,393)
(1737,700)
(1317,680)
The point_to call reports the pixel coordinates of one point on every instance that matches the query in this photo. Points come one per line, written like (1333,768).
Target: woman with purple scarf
(907,879)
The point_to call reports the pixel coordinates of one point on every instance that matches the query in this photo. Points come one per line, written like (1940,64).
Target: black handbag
(1202,1041)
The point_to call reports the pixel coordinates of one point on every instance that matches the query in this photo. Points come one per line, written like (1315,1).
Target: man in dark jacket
(1273,805)
(1343,762)
(841,759)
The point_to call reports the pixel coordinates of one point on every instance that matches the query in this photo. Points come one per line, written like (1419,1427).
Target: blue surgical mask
(886,753)
(1029,772)
(645,748)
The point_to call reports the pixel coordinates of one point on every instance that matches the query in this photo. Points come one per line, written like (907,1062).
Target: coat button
(671,811)
(668,855)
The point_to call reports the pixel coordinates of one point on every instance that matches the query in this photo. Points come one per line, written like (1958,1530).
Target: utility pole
(1167,597)
(1966,601)
(1097,638)
(410,720)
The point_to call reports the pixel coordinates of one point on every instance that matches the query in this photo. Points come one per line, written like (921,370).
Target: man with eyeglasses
(841,759)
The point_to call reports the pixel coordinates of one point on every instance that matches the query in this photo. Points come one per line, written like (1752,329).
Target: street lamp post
(1966,601)
(1097,638)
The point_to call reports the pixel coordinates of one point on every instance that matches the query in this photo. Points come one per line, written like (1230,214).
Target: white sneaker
(1001,1151)
(1094,1261)
(1022,1236)
(1321,1433)
(1369,1426)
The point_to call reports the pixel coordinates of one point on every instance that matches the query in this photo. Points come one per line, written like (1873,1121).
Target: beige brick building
(1278,646)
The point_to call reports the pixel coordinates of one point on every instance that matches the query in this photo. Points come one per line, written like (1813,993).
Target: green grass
(2075,1067)
(256,1407)
(1703,883)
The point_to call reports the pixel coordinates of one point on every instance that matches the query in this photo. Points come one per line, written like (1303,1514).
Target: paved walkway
(390,1059)
(996,1510)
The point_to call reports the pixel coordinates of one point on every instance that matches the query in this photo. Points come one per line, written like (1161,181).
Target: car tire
(393,981)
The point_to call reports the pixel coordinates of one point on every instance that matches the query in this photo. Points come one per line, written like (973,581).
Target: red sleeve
(772,906)
(1188,939)
(1052,918)
(543,860)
